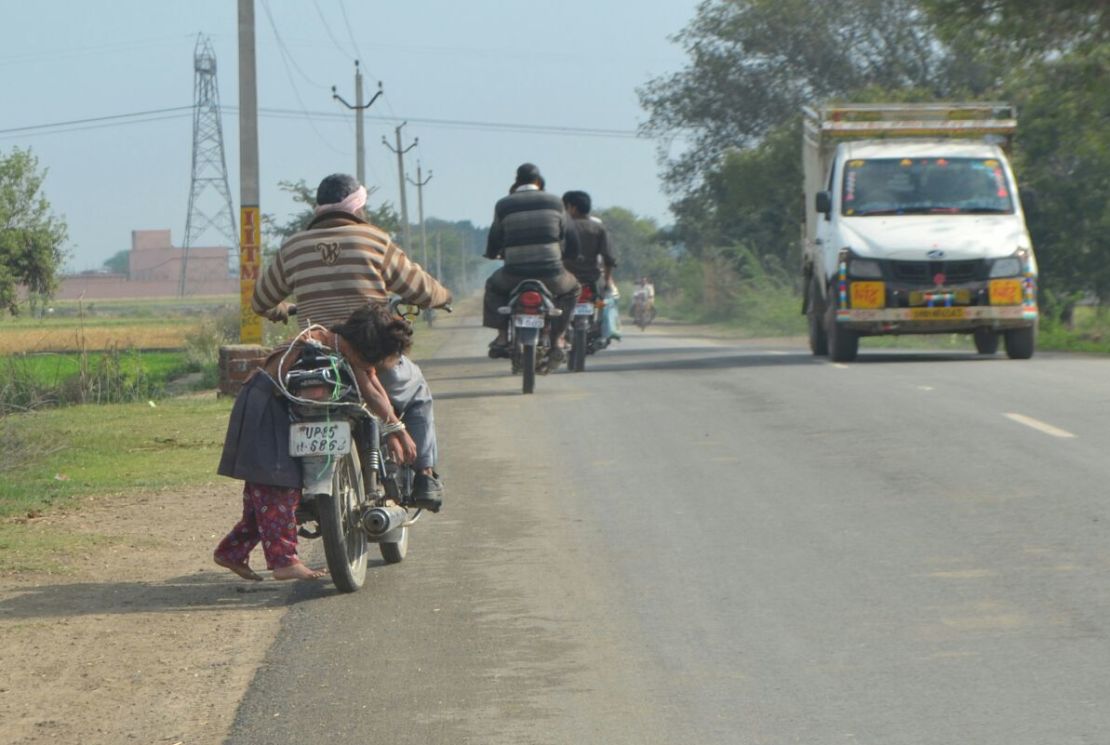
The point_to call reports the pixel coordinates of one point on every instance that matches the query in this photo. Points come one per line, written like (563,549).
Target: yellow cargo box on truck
(914,226)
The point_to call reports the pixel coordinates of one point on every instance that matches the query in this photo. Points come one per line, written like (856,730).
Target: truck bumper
(958,319)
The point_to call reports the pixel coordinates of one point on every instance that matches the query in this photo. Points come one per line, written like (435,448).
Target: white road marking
(924,387)
(1040,426)
(840,366)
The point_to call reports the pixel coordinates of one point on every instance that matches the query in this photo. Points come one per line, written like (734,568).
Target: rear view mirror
(824,202)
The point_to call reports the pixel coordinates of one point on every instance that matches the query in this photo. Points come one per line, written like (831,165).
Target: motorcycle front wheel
(340,513)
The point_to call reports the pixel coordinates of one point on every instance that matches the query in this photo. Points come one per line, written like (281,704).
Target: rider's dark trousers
(500,284)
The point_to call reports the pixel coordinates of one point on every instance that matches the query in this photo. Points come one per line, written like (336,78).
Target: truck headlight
(1008,267)
(865,269)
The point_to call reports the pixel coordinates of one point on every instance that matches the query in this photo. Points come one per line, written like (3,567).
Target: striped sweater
(336,266)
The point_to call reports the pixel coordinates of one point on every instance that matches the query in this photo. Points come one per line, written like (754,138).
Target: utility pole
(400,151)
(439,257)
(359,107)
(250,221)
(419,184)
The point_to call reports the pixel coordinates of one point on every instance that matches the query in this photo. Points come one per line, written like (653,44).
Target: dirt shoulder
(141,639)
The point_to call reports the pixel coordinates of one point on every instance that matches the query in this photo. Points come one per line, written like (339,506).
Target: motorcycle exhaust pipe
(381,520)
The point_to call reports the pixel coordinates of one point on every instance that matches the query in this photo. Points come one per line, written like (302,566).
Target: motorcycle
(354,494)
(643,310)
(531,308)
(585,328)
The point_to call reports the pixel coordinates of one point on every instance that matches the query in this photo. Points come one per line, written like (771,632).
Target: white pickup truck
(914,226)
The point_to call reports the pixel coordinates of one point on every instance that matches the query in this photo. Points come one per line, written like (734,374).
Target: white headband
(352,203)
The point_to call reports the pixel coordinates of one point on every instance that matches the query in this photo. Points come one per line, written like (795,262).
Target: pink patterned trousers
(268,517)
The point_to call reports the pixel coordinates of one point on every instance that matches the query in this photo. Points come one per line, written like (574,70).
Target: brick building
(154,270)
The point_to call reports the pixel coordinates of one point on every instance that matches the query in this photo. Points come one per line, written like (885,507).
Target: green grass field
(54,368)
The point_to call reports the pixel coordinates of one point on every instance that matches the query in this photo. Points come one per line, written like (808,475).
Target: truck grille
(923,272)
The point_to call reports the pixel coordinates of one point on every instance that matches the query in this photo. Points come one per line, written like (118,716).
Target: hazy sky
(471,65)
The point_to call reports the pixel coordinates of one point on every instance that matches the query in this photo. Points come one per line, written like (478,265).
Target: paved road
(715,542)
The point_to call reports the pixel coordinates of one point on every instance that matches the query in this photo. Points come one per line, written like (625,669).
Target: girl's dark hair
(375,333)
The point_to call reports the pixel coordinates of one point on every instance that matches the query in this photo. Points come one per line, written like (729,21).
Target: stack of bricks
(237,362)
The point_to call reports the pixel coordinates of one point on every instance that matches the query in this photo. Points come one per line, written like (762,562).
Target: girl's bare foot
(243,570)
(298,571)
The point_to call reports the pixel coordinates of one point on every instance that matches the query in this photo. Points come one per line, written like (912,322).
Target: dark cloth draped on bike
(256,447)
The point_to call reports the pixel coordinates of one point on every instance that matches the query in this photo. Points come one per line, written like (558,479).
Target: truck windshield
(906,186)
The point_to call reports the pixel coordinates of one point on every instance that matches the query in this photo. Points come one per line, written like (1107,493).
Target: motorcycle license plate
(583,309)
(528,322)
(319,438)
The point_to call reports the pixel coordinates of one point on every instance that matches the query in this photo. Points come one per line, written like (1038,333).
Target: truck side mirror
(824,203)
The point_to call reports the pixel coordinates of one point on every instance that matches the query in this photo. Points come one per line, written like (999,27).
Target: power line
(553,129)
(327,28)
(354,42)
(282,52)
(350,32)
(283,49)
(105,125)
(285,113)
(94,119)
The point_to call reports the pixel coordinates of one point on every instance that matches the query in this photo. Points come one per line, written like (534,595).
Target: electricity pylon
(209,164)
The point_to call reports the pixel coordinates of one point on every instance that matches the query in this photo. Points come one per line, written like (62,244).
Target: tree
(1024,30)
(31,236)
(120,263)
(755,63)
(754,196)
(639,246)
(1064,155)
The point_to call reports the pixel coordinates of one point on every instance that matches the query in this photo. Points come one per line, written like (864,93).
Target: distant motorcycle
(643,310)
(585,328)
(353,493)
(531,309)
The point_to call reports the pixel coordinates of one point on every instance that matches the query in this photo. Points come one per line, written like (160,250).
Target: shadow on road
(449,395)
(207,591)
(704,362)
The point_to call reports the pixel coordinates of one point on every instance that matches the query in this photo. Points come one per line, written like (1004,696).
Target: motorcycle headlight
(1008,267)
(865,269)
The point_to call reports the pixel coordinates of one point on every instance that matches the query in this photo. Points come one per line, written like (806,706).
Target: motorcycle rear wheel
(340,513)
(578,351)
(528,366)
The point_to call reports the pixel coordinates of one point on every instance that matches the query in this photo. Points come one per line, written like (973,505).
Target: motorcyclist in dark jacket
(533,235)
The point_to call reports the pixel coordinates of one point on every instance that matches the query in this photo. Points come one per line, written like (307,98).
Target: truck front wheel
(986,341)
(843,343)
(818,340)
(1020,343)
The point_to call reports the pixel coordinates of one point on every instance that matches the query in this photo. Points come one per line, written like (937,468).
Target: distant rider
(530,231)
(337,265)
(643,298)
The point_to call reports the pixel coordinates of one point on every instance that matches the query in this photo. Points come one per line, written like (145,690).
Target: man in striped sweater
(339,264)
